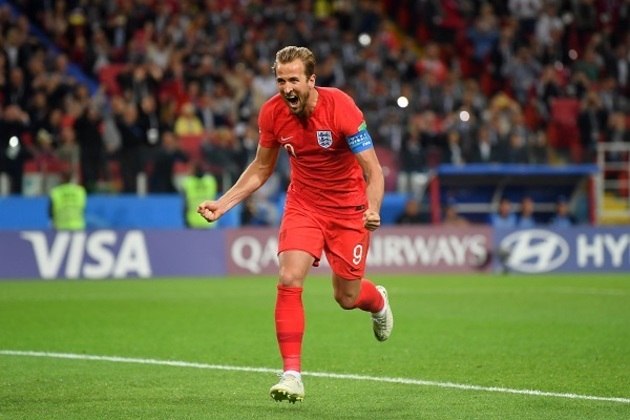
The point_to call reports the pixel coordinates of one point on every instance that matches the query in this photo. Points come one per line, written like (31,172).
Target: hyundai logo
(535,250)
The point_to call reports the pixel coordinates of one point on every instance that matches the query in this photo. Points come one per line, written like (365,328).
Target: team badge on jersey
(324,138)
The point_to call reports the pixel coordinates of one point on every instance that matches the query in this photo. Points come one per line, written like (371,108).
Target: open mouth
(293,100)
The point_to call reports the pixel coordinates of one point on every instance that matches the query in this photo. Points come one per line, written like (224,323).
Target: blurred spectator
(92,149)
(209,117)
(612,96)
(263,84)
(526,219)
(500,57)
(132,138)
(139,81)
(412,158)
(538,148)
(526,13)
(431,64)
(618,65)
(503,217)
(149,120)
(224,155)
(17,89)
(67,151)
(523,70)
(453,153)
(15,47)
(617,133)
(15,147)
(452,216)
(549,26)
(431,136)
(67,204)
(224,107)
(484,151)
(484,33)
(197,187)
(503,111)
(515,151)
(585,15)
(590,63)
(548,87)
(188,123)
(162,173)
(411,214)
(38,111)
(591,121)
(563,217)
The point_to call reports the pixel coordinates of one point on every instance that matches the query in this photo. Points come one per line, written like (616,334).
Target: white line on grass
(404,381)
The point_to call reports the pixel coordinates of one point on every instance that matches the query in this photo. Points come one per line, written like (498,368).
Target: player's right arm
(252,178)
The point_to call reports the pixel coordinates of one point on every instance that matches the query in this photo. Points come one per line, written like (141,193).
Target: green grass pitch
(464,347)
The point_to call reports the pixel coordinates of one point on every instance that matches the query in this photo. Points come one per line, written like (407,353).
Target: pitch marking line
(404,381)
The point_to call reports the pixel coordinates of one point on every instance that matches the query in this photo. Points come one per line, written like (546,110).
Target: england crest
(324,138)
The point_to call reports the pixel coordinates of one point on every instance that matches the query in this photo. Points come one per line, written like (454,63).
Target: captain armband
(360,141)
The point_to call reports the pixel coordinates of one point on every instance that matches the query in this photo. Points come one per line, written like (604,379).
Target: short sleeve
(350,117)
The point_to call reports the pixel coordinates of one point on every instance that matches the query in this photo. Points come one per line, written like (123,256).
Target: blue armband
(360,141)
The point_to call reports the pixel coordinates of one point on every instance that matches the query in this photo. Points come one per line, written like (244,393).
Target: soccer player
(333,202)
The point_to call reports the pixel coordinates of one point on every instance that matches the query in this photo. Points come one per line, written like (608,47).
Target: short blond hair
(291,53)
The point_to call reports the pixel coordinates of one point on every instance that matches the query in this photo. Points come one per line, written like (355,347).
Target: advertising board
(392,250)
(110,254)
(592,249)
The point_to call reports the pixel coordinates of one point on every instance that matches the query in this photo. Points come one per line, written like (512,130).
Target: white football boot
(290,388)
(383,324)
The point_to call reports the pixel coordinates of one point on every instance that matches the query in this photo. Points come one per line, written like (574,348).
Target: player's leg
(289,318)
(346,249)
(289,313)
(300,246)
(357,293)
(365,295)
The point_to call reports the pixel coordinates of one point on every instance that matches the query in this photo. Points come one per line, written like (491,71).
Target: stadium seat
(108,77)
(563,132)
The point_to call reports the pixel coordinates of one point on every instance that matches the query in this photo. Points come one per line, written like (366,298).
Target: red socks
(290,326)
(369,300)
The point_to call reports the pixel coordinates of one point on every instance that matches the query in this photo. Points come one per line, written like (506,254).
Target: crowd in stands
(181,81)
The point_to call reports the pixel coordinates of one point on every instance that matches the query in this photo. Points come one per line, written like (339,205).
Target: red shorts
(342,236)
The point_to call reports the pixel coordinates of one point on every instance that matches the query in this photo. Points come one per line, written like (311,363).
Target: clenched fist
(210,210)
(371,220)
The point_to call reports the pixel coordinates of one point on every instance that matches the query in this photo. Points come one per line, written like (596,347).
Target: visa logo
(93,255)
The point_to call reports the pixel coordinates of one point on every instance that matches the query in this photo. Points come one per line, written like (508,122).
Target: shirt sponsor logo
(285,139)
(324,138)
(535,251)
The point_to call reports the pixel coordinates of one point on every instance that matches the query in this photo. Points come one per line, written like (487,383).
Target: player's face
(294,86)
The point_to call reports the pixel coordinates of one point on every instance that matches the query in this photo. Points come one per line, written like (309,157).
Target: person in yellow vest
(67,204)
(197,187)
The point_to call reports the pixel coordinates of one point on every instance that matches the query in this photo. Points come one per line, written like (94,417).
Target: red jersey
(324,170)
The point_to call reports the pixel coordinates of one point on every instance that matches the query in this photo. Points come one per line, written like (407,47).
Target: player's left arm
(375,187)
(361,145)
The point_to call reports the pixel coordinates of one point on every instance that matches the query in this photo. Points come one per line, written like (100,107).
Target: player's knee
(346,301)
(290,278)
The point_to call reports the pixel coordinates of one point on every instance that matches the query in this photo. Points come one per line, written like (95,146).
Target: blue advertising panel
(583,249)
(111,254)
